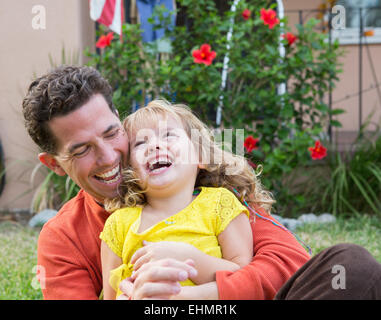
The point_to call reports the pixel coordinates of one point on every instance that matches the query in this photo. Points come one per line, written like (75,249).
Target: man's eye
(112,134)
(81,152)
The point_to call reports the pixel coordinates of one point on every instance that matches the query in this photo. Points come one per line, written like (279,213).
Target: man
(70,116)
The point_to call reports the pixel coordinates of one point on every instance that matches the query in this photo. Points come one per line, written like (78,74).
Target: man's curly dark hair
(58,93)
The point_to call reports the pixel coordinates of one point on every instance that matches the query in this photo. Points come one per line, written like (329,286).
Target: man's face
(91,148)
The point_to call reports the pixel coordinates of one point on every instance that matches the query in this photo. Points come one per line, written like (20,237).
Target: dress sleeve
(228,208)
(112,233)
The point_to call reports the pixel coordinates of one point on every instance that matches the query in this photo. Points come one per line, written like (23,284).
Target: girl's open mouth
(157,166)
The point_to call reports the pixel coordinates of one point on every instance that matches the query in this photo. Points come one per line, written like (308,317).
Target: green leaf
(335,123)
(361,185)
(335,112)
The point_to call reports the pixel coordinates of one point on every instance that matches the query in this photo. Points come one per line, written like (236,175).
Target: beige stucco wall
(24,53)
(348,84)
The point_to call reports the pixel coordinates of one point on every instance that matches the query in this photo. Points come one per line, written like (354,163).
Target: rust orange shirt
(277,256)
(69,250)
(69,254)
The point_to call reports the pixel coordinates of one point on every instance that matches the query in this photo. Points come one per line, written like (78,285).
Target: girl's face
(164,156)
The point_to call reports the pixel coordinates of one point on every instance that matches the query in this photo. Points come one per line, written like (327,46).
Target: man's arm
(277,255)
(62,276)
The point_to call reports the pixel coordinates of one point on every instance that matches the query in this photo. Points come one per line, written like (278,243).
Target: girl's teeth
(162,161)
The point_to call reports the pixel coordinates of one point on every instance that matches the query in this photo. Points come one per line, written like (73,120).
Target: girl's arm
(109,261)
(236,243)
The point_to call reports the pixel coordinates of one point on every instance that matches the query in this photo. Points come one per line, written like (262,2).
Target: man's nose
(106,155)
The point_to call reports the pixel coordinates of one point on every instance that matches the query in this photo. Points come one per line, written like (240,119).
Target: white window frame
(351,35)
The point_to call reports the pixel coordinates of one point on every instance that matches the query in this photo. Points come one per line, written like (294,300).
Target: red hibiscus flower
(269,17)
(291,38)
(246,14)
(318,152)
(105,40)
(204,55)
(250,143)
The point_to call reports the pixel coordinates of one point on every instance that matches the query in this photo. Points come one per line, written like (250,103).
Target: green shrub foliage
(285,124)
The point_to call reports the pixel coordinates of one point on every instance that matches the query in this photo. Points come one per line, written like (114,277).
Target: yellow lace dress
(198,224)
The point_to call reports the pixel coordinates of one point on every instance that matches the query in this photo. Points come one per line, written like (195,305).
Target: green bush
(286,125)
(348,183)
(53,192)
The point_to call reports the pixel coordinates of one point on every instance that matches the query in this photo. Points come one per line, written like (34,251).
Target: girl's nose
(152,148)
(154,145)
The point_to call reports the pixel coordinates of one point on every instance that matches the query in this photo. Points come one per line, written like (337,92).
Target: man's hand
(157,279)
(152,251)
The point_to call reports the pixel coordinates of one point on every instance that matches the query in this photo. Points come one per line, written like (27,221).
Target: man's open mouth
(110,176)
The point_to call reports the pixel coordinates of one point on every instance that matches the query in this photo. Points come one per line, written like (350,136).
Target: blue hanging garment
(145,11)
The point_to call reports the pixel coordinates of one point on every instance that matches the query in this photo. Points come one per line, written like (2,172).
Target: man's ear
(201,166)
(50,161)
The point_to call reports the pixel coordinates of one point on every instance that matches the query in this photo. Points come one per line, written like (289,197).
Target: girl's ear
(50,161)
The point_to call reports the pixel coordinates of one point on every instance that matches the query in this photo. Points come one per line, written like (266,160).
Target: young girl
(177,190)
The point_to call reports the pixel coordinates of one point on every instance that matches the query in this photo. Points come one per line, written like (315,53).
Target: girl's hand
(152,251)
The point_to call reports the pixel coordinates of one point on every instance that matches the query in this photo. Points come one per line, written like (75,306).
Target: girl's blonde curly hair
(220,168)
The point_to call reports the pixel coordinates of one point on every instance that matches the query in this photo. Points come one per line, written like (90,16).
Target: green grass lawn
(18,250)
(364,231)
(18,257)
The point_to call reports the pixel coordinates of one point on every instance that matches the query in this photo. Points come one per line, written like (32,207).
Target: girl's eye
(170,134)
(138,143)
